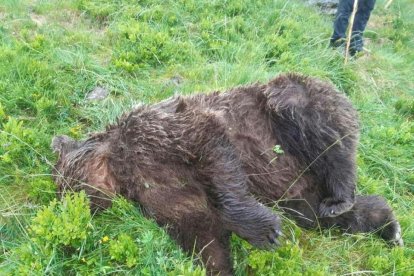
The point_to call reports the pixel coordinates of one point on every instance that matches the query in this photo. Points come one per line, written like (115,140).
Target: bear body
(212,164)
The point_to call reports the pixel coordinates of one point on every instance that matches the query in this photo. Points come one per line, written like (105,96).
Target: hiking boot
(358,52)
(341,42)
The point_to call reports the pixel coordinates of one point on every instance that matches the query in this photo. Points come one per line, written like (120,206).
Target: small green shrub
(286,260)
(13,137)
(42,190)
(378,263)
(28,260)
(282,43)
(57,229)
(67,224)
(187,269)
(140,45)
(401,33)
(395,261)
(124,250)
(405,106)
(48,108)
(99,10)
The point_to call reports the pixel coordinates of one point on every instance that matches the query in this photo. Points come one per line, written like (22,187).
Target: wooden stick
(350,26)
(388,4)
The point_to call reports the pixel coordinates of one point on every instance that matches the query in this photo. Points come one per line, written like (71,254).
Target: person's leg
(362,15)
(343,13)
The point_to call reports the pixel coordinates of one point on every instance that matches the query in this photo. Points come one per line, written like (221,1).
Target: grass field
(53,53)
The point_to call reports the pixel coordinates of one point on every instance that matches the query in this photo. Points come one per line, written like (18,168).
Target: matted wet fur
(205,166)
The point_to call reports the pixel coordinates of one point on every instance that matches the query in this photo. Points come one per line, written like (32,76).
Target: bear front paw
(331,207)
(265,235)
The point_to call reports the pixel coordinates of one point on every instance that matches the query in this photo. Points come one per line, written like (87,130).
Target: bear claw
(330,207)
(269,236)
(397,239)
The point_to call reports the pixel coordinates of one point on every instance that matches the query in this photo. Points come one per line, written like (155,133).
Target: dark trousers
(343,14)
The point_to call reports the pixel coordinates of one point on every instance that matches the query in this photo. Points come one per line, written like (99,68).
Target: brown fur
(204,165)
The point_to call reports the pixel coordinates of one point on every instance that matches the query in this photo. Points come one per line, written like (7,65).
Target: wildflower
(105,239)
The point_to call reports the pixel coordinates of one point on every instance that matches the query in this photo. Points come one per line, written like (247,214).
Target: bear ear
(181,106)
(59,142)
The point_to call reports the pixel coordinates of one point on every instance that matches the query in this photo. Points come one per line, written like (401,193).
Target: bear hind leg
(370,214)
(318,126)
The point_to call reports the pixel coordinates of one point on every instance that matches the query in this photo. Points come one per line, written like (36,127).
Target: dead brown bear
(205,166)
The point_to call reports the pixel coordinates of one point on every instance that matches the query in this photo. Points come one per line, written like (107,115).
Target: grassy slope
(52,53)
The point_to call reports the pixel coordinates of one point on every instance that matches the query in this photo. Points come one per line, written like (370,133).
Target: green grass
(52,53)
